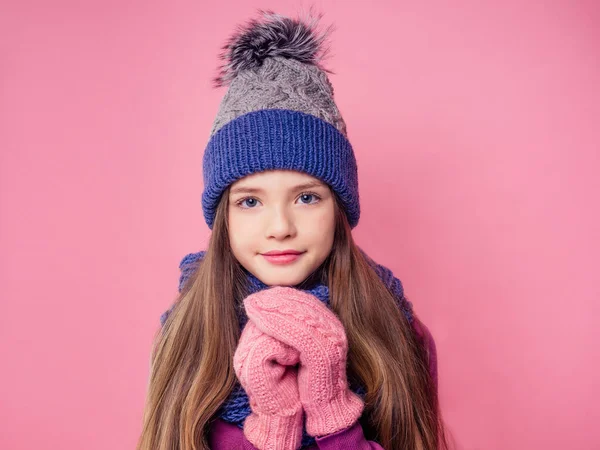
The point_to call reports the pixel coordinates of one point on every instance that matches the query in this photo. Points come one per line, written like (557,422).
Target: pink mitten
(263,366)
(303,322)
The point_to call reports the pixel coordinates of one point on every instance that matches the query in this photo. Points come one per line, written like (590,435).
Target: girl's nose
(280,224)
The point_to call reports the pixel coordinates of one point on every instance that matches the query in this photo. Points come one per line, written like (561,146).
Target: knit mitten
(265,369)
(303,322)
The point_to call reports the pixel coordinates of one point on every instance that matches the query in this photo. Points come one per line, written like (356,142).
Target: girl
(285,333)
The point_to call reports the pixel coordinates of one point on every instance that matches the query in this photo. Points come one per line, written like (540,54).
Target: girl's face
(281,210)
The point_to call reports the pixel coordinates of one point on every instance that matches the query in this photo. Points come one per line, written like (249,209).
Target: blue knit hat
(278,113)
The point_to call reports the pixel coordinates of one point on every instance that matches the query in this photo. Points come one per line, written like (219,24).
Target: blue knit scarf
(236,407)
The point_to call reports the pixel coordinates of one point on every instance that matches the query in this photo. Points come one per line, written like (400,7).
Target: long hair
(192,355)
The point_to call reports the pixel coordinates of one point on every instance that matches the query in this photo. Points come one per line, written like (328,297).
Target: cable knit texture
(303,322)
(266,369)
(280,83)
(236,407)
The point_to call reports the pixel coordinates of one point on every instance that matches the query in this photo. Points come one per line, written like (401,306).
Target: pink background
(476,128)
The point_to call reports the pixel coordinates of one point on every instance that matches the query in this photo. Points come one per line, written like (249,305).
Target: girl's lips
(282,259)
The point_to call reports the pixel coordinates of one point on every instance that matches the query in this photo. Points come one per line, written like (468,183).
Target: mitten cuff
(271,432)
(341,412)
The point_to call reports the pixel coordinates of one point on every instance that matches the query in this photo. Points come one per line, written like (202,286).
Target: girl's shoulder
(393,284)
(424,335)
(187,266)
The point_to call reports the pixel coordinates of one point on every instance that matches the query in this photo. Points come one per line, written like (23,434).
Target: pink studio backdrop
(475,126)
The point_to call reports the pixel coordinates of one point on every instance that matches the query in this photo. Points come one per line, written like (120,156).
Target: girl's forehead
(277,178)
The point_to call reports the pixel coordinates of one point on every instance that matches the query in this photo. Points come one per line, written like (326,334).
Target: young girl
(285,333)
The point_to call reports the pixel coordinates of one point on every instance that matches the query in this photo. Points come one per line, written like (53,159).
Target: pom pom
(275,35)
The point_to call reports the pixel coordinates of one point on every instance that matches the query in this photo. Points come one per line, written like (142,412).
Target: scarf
(236,407)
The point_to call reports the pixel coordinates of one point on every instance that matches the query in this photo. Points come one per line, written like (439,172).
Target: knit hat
(278,113)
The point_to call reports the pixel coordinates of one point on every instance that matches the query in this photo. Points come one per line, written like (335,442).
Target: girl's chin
(282,281)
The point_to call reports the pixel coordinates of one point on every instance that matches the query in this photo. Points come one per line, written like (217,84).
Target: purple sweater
(224,435)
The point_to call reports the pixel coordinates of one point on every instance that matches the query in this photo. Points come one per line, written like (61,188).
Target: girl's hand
(265,369)
(303,322)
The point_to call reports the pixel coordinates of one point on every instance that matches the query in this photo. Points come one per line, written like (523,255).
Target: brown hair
(192,373)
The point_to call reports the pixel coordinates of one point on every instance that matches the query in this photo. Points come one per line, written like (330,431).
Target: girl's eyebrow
(256,190)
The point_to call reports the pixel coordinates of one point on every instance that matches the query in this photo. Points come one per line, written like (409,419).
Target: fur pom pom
(274,35)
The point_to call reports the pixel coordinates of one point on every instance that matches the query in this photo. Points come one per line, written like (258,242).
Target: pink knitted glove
(303,322)
(263,366)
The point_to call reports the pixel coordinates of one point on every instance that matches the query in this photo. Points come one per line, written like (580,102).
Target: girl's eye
(249,199)
(309,195)
(305,196)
